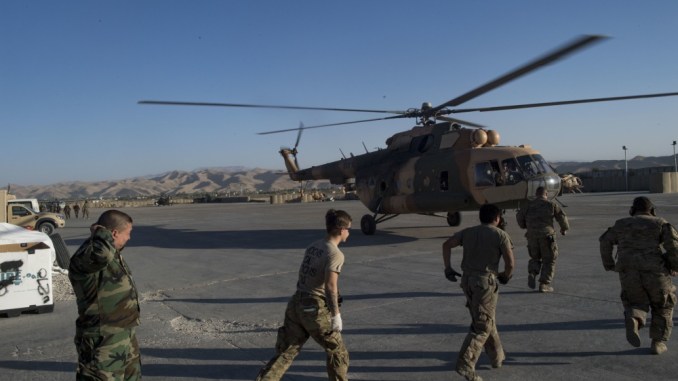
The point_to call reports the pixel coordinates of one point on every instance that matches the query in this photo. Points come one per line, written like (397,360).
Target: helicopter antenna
(364,146)
(342,153)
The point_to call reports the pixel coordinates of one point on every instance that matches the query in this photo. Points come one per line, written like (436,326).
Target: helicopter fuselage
(440,168)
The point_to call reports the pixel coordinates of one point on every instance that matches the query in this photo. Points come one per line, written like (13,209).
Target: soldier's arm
(561,217)
(670,243)
(607,242)
(332,291)
(96,253)
(509,261)
(520,217)
(448,245)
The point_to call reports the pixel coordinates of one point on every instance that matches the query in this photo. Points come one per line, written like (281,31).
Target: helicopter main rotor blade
(333,124)
(576,101)
(577,44)
(213,104)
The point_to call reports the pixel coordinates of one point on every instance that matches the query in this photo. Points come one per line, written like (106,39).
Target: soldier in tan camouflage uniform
(313,311)
(644,271)
(537,217)
(484,246)
(108,305)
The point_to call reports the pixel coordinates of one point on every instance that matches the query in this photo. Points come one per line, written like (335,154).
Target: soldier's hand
(609,267)
(502,278)
(451,275)
(563,232)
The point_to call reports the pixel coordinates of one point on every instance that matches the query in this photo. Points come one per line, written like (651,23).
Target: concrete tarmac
(215,280)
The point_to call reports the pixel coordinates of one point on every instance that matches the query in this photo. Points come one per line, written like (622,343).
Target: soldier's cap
(642,204)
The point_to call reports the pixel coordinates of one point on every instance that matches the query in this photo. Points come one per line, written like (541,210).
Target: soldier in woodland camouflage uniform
(313,311)
(644,271)
(484,246)
(108,305)
(537,217)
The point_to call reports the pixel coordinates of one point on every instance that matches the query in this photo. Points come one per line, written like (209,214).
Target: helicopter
(442,164)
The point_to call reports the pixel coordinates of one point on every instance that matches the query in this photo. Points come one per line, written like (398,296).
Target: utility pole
(675,167)
(626,168)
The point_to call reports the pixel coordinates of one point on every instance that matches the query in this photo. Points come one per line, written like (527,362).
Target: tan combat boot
(545,288)
(632,335)
(659,347)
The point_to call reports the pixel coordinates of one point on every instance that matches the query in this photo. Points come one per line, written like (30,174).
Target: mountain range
(238,180)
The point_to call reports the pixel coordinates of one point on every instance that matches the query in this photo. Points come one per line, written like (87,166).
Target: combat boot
(658,347)
(469,374)
(531,281)
(545,288)
(632,335)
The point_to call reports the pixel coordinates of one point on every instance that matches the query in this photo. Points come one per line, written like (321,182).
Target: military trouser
(643,291)
(307,315)
(110,355)
(481,293)
(543,252)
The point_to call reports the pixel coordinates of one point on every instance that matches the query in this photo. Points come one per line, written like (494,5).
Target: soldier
(314,309)
(108,305)
(85,210)
(644,271)
(67,211)
(484,245)
(537,217)
(76,210)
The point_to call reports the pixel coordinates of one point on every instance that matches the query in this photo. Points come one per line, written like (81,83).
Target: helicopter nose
(550,182)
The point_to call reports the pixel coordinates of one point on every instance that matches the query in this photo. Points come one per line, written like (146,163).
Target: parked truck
(20,215)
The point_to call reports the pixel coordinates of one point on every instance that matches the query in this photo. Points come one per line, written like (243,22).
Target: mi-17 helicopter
(438,166)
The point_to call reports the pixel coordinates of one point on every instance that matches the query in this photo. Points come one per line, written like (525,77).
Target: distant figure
(76,210)
(67,211)
(537,217)
(108,303)
(484,246)
(313,311)
(644,271)
(85,210)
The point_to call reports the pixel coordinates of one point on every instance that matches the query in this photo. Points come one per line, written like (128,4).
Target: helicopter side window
(484,174)
(528,166)
(511,171)
(444,184)
(421,144)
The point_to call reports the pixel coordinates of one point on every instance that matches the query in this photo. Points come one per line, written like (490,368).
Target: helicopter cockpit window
(534,165)
(511,172)
(484,174)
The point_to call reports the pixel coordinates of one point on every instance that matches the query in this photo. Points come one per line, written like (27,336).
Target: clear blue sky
(71,73)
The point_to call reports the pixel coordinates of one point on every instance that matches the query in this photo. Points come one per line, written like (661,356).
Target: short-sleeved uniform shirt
(320,258)
(484,245)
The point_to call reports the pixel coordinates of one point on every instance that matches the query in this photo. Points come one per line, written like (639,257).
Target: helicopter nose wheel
(454,219)
(368,225)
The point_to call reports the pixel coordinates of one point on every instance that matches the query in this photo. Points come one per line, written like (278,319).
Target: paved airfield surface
(215,278)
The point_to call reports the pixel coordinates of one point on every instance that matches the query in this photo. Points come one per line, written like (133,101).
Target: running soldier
(644,271)
(108,305)
(484,246)
(537,217)
(313,311)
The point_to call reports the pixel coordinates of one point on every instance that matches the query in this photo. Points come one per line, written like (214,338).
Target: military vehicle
(28,218)
(438,166)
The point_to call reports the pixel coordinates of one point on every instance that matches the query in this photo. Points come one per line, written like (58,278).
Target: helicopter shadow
(159,237)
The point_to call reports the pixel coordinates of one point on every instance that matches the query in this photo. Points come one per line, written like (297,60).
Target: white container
(26,259)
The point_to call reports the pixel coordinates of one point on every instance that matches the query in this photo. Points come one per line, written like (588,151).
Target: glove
(337,324)
(451,275)
(502,278)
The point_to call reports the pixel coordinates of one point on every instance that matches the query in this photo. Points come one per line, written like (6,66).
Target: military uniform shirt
(639,241)
(484,245)
(538,216)
(320,258)
(103,285)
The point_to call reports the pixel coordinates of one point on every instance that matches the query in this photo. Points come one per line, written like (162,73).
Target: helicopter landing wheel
(454,219)
(368,225)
